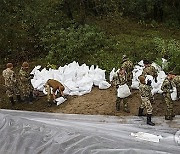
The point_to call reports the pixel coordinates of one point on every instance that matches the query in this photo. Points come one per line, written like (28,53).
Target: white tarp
(24,132)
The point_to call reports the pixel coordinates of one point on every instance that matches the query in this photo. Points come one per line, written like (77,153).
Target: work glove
(149,82)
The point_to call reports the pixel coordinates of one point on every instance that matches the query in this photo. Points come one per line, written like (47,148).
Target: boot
(19,100)
(168,117)
(117,106)
(11,99)
(149,120)
(140,113)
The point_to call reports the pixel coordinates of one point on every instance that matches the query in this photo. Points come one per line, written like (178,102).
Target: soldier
(11,84)
(149,70)
(146,96)
(167,89)
(121,79)
(55,85)
(25,80)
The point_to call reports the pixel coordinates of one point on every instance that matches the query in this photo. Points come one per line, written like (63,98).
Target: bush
(170,50)
(73,43)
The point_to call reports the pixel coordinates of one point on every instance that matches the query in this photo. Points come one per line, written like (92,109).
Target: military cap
(25,64)
(9,65)
(141,79)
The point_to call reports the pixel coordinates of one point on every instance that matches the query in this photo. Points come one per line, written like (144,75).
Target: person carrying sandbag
(56,86)
(119,80)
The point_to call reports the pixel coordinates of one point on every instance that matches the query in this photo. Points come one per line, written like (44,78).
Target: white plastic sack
(147,136)
(123,91)
(60,100)
(174,94)
(104,85)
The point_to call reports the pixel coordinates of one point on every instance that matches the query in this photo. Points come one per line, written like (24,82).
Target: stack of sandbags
(77,80)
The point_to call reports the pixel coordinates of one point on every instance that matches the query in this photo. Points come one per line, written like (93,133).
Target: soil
(98,102)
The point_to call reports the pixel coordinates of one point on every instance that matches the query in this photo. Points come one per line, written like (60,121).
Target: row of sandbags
(77,79)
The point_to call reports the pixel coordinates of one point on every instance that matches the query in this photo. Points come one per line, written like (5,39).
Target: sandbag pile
(77,80)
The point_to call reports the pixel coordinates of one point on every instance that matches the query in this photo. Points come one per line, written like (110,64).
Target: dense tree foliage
(59,30)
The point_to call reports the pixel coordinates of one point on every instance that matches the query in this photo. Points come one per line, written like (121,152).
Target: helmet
(25,65)
(141,79)
(9,65)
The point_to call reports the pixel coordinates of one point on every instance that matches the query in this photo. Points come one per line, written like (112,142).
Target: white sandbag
(104,85)
(112,73)
(147,137)
(157,67)
(164,63)
(60,100)
(123,91)
(174,94)
(141,63)
(135,84)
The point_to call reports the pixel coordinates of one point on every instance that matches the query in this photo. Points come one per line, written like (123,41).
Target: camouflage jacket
(9,77)
(145,91)
(119,79)
(166,86)
(150,70)
(127,65)
(176,81)
(24,76)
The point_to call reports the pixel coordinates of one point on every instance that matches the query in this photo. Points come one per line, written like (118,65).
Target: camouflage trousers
(145,103)
(169,104)
(124,101)
(26,89)
(48,90)
(12,90)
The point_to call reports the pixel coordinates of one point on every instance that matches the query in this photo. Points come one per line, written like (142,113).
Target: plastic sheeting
(25,132)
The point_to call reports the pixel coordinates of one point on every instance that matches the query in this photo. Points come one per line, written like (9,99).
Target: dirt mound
(98,102)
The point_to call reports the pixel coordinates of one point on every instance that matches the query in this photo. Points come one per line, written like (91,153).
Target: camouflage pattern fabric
(25,82)
(127,65)
(146,95)
(48,90)
(176,81)
(166,88)
(10,82)
(120,80)
(150,70)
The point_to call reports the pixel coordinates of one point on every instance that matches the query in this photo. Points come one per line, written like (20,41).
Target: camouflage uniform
(127,65)
(146,96)
(150,70)
(25,81)
(54,84)
(166,88)
(176,81)
(10,83)
(120,80)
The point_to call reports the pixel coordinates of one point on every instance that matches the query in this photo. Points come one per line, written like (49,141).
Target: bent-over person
(56,86)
